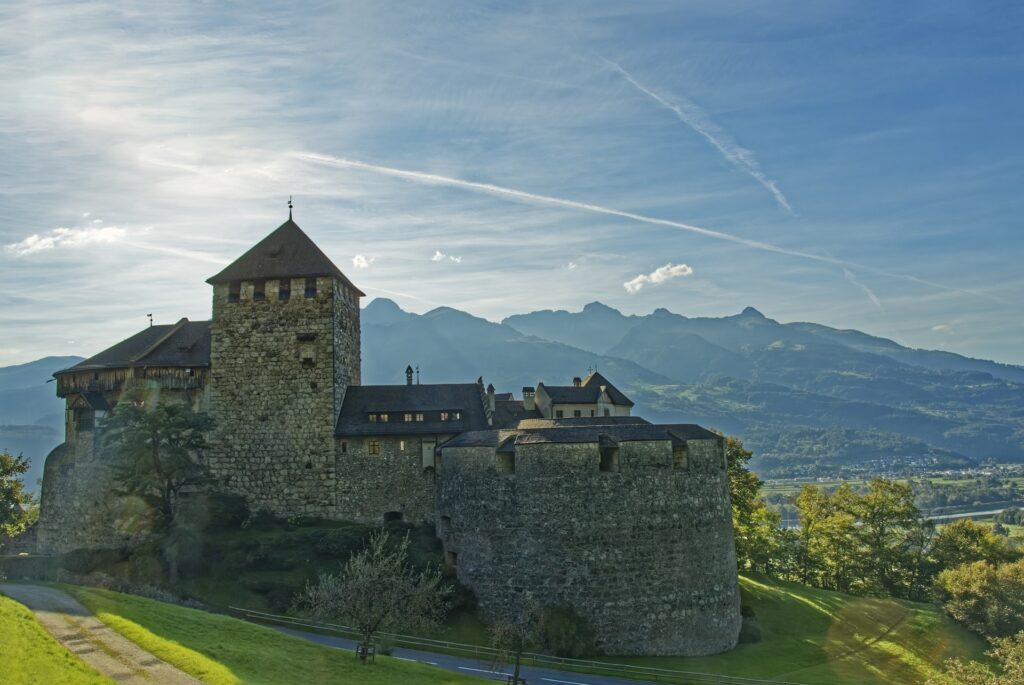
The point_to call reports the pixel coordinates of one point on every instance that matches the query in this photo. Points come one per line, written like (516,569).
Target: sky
(856,164)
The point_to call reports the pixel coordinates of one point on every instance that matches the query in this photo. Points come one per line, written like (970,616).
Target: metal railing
(495,656)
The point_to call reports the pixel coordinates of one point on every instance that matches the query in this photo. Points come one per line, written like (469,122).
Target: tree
(14,500)
(1008,652)
(759,540)
(986,598)
(378,589)
(965,541)
(160,450)
(516,633)
(889,524)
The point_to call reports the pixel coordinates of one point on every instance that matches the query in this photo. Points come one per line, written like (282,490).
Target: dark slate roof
(507,413)
(286,253)
(184,344)
(587,393)
(608,434)
(582,421)
(396,400)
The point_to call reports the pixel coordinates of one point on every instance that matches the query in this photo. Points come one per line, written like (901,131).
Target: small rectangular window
(310,288)
(284,290)
(419,417)
(408,418)
(559,413)
(344,447)
(444,416)
(259,291)
(577,413)
(457,415)
(591,412)
(373,447)
(384,418)
(373,418)
(607,412)
(401,445)
(679,457)
(234,291)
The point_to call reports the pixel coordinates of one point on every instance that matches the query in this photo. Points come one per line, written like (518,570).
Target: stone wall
(278,374)
(644,552)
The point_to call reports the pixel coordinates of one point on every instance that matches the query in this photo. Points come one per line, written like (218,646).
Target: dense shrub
(986,598)
(566,633)
(84,561)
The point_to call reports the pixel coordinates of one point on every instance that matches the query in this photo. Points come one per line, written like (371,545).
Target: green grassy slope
(29,655)
(224,651)
(828,638)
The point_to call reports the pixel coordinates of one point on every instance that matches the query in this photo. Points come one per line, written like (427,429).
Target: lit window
(373,447)
(419,417)
(373,418)
(383,418)
(401,445)
(457,415)
(408,418)
(444,416)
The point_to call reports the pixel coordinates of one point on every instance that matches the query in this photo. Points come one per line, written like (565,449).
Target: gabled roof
(507,413)
(286,253)
(588,392)
(396,400)
(184,344)
(583,432)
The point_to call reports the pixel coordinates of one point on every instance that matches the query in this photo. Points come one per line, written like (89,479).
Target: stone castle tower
(284,349)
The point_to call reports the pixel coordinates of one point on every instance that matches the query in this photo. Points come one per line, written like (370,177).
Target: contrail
(697,119)
(523,196)
(849,275)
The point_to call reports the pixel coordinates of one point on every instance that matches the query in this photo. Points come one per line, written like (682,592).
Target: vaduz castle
(561,495)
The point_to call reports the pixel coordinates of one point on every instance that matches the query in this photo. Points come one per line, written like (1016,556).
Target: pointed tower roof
(286,253)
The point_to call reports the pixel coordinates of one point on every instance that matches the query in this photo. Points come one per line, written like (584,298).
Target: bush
(750,631)
(226,511)
(566,633)
(84,561)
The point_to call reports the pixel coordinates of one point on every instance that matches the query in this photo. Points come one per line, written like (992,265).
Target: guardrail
(494,656)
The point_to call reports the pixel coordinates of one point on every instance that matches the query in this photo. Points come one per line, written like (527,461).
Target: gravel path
(97,645)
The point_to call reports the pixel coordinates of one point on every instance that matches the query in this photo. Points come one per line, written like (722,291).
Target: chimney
(577,382)
(490,397)
(408,375)
(528,399)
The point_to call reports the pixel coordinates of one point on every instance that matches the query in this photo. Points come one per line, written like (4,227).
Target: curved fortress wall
(644,550)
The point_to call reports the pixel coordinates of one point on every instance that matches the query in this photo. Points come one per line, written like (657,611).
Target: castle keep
(561,496)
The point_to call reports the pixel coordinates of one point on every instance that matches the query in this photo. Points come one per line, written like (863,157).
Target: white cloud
(571,265)
(441,256)
(361,261)
(942,328)
(66,237)
(659,275)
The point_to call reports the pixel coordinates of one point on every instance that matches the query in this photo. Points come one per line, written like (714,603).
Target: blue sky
(855,164)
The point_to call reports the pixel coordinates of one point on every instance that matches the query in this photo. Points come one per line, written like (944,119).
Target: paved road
(97,645)
(484,669)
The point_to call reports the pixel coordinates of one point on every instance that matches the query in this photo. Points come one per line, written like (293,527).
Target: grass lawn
(29,655)
(222,651)
(828,638)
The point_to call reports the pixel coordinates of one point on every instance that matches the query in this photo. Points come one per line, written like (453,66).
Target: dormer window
(383,418)
(310,288)
(259,291)
(408,418)
(234,291)
(419,417)
(373,418)
(284,290)
(444,416)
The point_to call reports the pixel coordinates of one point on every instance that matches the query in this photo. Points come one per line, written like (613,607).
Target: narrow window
(577,413)
(607,412)
(679,457)
(408,418)
(506,463)
(344,447)
(591,412)
(373,418)
(401,445)
(419,417)
(444,416)
(609,459)
(284,290)
(383,418)
(259,291)
(373,447)
(457,415)
(234,291)
(310,288)
(559,413)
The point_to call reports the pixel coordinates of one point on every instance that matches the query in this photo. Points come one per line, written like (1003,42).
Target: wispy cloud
(852,278)
(523,196)
(696,118)
(941,328)
(67,237)
(659,275)
(441,257)
(362,262)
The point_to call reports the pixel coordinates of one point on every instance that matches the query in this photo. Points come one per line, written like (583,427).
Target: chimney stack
(490,397)
(408,375)
(528,399)
(577,382)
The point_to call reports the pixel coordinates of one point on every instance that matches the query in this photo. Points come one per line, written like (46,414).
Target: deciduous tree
(14,500)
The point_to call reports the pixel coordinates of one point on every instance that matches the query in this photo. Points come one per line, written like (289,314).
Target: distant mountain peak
(596,307)
(383,311)
(750,312)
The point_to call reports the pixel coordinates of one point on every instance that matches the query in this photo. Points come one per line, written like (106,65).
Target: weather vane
(289,207)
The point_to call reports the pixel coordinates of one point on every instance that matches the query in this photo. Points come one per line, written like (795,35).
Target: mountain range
(807,398)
